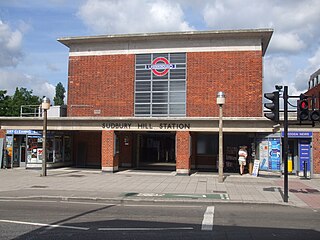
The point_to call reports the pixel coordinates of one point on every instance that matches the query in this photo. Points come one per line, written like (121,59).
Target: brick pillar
(183,162)
(109,161)
(316,153)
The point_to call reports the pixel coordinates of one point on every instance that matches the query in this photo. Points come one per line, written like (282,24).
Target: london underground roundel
(160,66)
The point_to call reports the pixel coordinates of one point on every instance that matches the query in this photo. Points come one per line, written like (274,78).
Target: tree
(4,102)
(59,97)
(12,104)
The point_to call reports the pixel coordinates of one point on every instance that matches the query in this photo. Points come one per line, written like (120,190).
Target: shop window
(206,144)
(67,149)
(58,148)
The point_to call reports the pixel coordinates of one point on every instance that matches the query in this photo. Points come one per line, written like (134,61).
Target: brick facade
(104,85)
(237,74)
(101,86)
(183,163)
(109,160)
(316,152)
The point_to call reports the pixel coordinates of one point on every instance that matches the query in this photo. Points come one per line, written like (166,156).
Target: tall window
(160,85)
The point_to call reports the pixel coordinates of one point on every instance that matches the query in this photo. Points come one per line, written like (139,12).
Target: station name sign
(145,126)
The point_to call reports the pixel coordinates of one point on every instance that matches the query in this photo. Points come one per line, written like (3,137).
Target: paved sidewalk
(132,185)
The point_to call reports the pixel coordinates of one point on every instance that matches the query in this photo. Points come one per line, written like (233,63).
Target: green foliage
(59,97)
(4,102)
(10,105)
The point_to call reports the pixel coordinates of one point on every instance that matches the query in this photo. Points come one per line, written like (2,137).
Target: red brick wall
(104,83)
(182,150)
(316,152)
(238,74)
(315,91)
(107,144)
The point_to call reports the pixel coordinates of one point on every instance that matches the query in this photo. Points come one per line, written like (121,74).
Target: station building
(148,101)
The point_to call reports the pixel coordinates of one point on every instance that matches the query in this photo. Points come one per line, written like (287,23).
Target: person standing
(243,154)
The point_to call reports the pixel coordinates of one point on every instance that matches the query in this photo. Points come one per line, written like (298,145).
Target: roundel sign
(160,66)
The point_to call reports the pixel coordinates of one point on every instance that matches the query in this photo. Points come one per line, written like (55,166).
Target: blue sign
(274,154)
(23,132)
(304,154)
(298,134)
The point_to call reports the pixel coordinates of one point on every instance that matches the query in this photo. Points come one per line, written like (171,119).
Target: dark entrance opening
(156,150)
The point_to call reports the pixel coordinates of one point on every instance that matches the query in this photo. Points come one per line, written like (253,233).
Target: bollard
(305,169)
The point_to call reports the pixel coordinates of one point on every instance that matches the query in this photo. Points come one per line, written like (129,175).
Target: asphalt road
(91,220)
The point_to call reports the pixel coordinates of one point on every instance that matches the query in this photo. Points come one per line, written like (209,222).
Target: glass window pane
(177,109)
(143,59)
(143,86)
(160,109)
(161,97)
(142,109)
(177,85)
(177,74)
(178,58)
(177,97)
(142,97)
(160,86)
(143,75)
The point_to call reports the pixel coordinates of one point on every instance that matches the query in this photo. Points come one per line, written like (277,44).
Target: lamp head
(221,98)
(45,103)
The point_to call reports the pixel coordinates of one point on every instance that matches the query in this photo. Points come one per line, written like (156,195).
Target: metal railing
(30,111)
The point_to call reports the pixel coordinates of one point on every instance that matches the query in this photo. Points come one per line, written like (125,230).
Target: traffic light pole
(285,142)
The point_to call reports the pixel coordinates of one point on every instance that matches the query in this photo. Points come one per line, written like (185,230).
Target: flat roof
(263,34)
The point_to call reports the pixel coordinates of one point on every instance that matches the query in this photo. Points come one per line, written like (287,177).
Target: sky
(31,56)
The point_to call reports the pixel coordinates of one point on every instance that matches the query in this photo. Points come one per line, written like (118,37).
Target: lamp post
(220,101)
(45,106)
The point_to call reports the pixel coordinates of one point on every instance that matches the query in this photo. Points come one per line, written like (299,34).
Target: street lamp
(45,106)
(220,101)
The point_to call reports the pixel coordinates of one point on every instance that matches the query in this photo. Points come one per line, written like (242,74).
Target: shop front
(24,149)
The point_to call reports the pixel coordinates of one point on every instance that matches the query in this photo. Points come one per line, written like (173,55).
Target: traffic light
(315,113)
(273,106)
(303,108)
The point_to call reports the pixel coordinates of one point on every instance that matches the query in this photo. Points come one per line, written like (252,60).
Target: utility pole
(285,142)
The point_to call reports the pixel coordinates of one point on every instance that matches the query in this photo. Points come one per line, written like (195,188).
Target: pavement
(74,184)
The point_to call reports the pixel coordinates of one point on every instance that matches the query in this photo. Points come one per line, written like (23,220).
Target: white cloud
(9,80)
(315,60)
(295,22)
(276,70)
(133,16)
(288,43)
(10,46)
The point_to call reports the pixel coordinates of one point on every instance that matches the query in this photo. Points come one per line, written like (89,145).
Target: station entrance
(156,150)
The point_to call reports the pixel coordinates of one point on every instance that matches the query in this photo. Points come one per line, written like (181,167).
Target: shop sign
(304,154)
(23,132)
(160,66)
(298,134)
(145,126)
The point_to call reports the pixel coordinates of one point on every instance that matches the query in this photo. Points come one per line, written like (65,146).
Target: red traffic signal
(303,108)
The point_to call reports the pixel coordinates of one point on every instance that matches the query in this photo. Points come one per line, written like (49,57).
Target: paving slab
(84,184)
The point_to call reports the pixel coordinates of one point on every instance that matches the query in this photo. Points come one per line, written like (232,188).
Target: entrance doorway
(156,150)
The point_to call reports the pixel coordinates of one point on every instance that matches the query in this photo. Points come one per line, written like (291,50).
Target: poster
(274,154)
(255,170)
(304,154)
(264,155)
